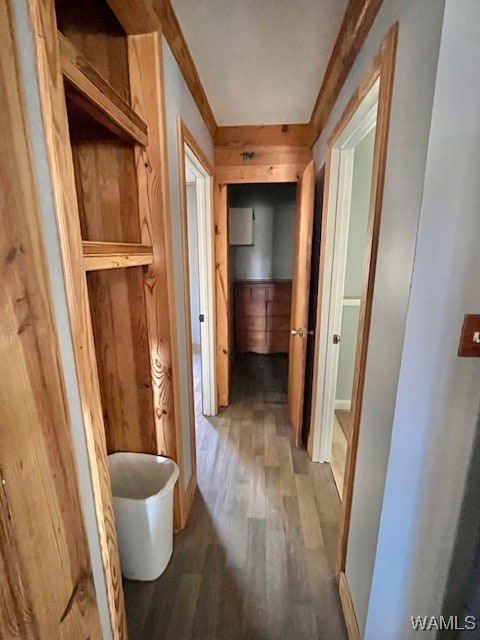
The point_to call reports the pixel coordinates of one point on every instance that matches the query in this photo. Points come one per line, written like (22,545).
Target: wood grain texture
(135,17)
(257,558)
(92,93)
(264,155)
(42,532)
(117,307)
(356,24)
(115,255)
(247,174)
(222,293)
(291,135)
(146,80)
(383,66)
(302,252)
(348,608)
(177,43)
(52,99)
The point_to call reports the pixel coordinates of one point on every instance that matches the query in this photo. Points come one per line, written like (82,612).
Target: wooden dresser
(262,316)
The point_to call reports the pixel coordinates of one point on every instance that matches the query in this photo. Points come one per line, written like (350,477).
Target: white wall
(437,409)
(193,262)
(417,54)
(180,102)
(271,255)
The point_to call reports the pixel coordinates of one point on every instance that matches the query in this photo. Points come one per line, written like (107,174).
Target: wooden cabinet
(262,316)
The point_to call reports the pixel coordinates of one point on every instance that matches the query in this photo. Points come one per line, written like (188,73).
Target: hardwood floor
(255,561)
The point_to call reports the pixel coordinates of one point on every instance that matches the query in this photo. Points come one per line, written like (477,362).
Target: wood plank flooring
(255,561)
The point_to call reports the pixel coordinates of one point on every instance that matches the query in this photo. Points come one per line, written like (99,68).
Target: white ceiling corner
(260,61)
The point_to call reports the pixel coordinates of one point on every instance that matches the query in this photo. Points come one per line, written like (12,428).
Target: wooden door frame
(186,139)
(278,173)
(382,68)
(334,248)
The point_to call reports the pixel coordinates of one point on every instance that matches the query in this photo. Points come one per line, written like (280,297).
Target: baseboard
(343,405)
(348,610)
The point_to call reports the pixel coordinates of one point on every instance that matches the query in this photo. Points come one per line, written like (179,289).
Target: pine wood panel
(245,173)
(135,17)
(113,255)
(87,88)
(300,297)
(42,534)
(295,135)
(117,306)
(177,43)
(231,155)
(107,192)
(356,24)
(55,124)
(146,73)
(222,293)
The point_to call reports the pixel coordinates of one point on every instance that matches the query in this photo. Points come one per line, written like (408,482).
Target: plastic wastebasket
(142,488)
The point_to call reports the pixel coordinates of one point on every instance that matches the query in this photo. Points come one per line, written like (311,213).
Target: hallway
(255,561)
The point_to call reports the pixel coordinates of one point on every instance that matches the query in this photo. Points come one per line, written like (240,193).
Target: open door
(300,297)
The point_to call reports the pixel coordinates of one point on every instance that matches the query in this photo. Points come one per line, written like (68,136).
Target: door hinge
(201,318)
(336,338)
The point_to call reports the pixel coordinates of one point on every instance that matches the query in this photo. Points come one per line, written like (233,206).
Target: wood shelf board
(86,88)
(115,255)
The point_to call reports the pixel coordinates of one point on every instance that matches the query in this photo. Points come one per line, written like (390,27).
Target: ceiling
(260,61)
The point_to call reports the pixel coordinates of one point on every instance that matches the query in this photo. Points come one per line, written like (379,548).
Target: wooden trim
(86,87)
(55,123)
(291,135)
(348,608)
(258,174)
(222,293)
(356,24)
(189,139)
(147,89)
(113,255)
(383,66)
(135,17)
(46,582)
(228,156)
(177,43)
(182,133)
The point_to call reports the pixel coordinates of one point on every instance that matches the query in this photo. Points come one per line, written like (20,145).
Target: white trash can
(142,488)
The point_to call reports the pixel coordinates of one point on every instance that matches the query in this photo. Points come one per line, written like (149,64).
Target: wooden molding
(92,93)
(383,66)
(177,43)
(54,113)
(222,294)
(348,608)
(241,137)
(135,17)
(114,255)
(356,24)
(256,174)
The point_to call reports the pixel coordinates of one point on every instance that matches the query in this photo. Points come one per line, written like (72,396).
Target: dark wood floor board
(255,561)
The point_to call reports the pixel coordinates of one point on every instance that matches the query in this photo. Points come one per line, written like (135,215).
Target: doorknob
(301,332)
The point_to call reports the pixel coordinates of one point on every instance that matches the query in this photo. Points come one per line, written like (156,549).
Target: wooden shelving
(115,255)
(86,88)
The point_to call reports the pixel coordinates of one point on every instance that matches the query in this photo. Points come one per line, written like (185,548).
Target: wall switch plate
(469,346)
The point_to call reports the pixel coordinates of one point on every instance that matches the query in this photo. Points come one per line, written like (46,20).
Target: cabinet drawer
(281,291)
(250,323)
(259,293)
(277,341)
(243,294)
(278,323)
(280,308)
(250,309)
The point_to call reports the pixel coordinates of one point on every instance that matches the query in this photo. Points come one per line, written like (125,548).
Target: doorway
(196,189)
